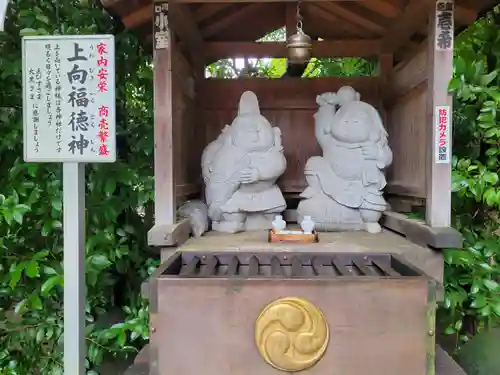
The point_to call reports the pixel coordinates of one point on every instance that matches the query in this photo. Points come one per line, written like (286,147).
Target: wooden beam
(465,16)
(139,17)
(382,7)
(162,235)
(185,26)
(386,62)
(231,19)
(315,11)
(165,196)
(339,48)
(208,10)
(417,231)
(407,24)
(353,17)
(438,175)
(283,94)
(246,1)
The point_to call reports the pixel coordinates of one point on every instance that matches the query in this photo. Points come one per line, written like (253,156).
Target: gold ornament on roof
(291,334)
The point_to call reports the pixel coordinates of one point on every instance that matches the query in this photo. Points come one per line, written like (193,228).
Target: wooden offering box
(264,313)
(293,237)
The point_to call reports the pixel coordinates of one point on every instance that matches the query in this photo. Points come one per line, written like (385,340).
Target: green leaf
(479,302)
(490,196)
(491,133)
(28,32)
(134,335)
(18,217)
(49,284)
(15,274)
(57,203)
(43,18)
(110,187)
(496,309)
(492,151)
(488,78)
(100,260)
(32,269)
(491,285)
(7,215)
(47,228)
(20,307)
(490,177)
(35,302)
(121,339)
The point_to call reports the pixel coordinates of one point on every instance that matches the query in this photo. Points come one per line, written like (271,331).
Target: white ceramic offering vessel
(278,223)
(307,225)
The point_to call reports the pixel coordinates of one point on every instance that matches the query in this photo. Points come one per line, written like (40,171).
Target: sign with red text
(69,99)
(445,28)
(442,118)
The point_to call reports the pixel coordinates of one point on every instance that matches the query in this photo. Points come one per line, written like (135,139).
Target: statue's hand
(370,152)
(206,171)
(249,175)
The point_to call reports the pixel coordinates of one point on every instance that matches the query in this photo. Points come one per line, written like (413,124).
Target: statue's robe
(229,195)
(348,178)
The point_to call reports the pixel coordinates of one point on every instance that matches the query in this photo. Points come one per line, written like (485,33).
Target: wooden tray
(296,238)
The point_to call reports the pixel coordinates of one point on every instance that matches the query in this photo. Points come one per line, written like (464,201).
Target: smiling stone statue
(241,169)
(345,185)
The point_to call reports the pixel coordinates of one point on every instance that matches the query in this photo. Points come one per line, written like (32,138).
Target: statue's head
(250,131)
(347,94)
(358,122)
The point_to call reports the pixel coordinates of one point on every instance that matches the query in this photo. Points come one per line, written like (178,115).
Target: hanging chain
(298,17)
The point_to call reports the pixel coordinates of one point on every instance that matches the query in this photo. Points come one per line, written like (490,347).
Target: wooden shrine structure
(190,110)
(415,65)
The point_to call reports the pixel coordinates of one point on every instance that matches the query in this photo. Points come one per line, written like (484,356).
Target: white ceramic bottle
(278,223)
(307,225)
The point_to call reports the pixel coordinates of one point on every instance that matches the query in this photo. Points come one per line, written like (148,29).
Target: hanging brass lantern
(299,45)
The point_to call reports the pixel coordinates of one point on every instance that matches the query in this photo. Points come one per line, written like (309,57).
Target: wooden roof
(394,23)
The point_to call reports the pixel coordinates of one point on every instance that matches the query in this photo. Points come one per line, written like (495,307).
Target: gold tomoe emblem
(291,334)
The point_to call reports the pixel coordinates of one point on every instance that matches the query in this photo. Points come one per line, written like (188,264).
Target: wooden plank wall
(188,131)
(407,126)
(289,104)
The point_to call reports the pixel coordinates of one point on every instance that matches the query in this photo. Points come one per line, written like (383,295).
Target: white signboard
(3,12)
(442,118)
(444,25)
(69,99)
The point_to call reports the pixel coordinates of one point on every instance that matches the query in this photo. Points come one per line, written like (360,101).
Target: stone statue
(240,172)
(345,185)
(207,158)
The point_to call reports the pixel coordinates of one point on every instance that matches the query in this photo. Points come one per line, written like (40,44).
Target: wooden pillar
(439,116)
(386,63)
(165,205)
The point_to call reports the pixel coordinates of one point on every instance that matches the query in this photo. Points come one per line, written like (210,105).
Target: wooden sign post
(69,117)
